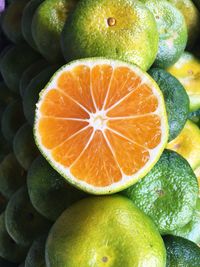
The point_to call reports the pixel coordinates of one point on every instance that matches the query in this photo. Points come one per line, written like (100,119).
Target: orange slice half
(101,124)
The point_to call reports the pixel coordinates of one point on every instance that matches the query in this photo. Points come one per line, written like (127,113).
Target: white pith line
(131,117)
(94,102)
(122,99)
(126,138)
(91,91)
(78,80)
(64,119)
(73,100)
(113,153)
(87,145)
(72,136)
(111,78)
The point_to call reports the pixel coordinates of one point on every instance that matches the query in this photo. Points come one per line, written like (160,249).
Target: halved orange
(101,124)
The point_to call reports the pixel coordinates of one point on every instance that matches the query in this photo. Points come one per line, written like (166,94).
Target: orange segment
(76,84)
(123,82)
(145,130)
(54,131)
(100,81)
(57,104)
(96,165)
(131,157)
(69,151)
(140,101)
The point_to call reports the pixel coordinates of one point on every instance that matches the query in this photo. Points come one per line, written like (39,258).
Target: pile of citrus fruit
(100,133)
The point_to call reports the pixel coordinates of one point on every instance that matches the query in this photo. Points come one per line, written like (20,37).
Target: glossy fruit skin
(187,144)
(23,222)
(33,70)
(9,250)
(32,91)
(195,117)
(47,25)
(132,37)
(24,146)
(12,176)
(50,194)
(191,231)
(26,23)
(12,120)
(186,70)
(168,193)
(14,63)
(36,254)
(176,100)
(181,252)
(192,19)
(101,229)
(172,32)
(11,24)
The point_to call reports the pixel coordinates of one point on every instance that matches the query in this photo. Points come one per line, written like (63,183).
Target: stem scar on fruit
(160,192)
(104,259)
(111,21)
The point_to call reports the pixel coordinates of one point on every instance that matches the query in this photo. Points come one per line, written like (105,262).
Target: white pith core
(98,120)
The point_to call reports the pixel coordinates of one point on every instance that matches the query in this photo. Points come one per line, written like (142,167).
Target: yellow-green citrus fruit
(49,193)
(187,144)
(36,254)
(100,231)
(187,71)
(11,24)
(26,23)
(23,222)
(194,116)
(172,32)
(4,51)
(24,146)
(30,73)
(12,119)
(12,176)
(168,193)
(192,18)
(14,63)
(122,29)
(32,91)
(176,100)
(197,172)
(47,25)
(191,231)
(181,252)
(5,97)
(9,249)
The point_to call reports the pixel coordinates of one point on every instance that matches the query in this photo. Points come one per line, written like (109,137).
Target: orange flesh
(121,138)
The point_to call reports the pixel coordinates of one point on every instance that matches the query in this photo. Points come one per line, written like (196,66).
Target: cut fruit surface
(101,124)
